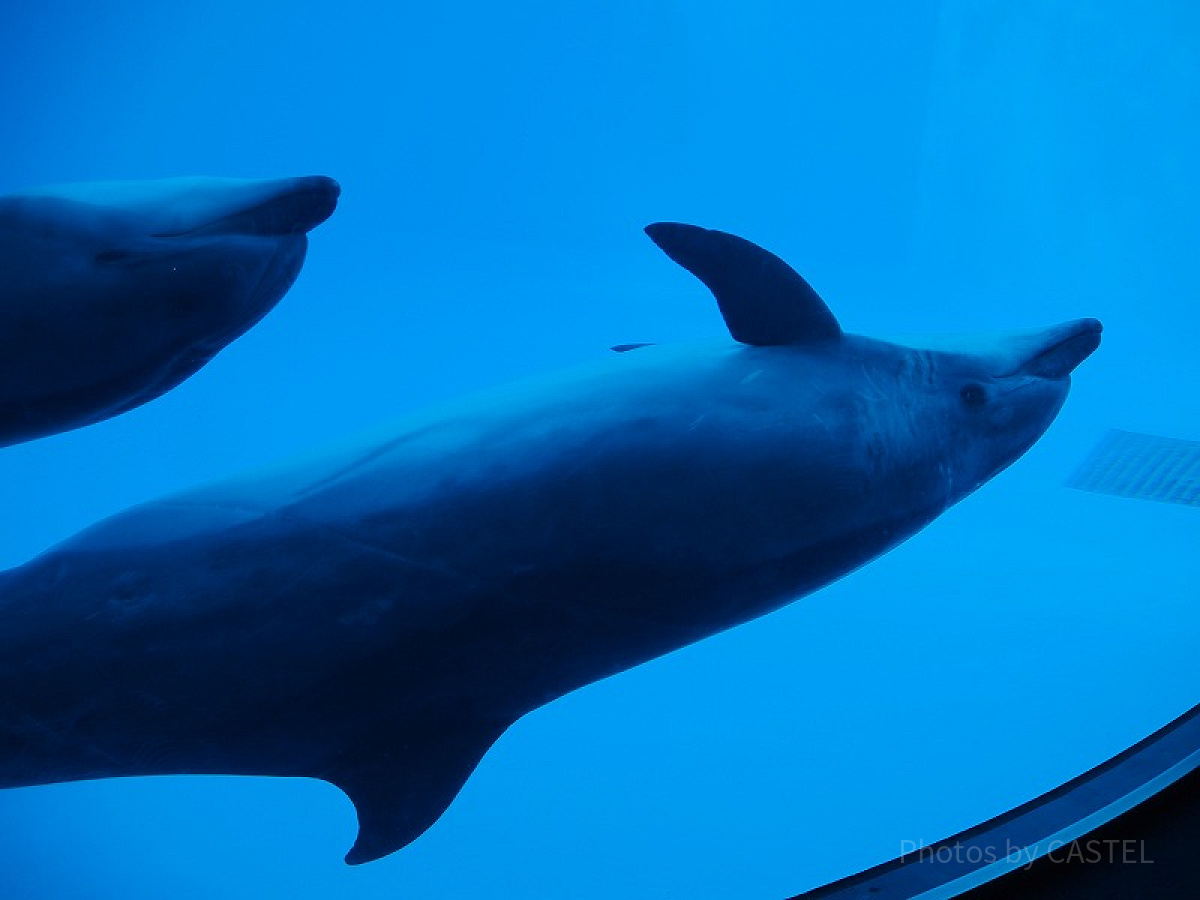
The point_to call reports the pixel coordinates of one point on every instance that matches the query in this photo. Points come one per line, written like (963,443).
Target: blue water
(927,166)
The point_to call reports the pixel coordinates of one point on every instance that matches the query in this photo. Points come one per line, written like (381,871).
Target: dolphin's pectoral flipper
(765,302)
(400,789)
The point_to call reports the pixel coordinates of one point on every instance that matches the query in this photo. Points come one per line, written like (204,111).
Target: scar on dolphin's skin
(115,292)
(377,615)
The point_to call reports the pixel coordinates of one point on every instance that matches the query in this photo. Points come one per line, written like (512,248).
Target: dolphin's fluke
(765,302)
(400,790)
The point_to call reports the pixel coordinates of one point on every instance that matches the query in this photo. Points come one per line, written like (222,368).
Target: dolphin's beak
(280,207)
(1065,348)
(296,205)
(174,207)
(1052,352)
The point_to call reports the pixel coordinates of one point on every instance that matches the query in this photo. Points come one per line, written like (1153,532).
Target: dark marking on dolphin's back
(625,348)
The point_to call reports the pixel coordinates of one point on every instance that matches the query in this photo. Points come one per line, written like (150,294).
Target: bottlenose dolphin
(115,292)
(377,615)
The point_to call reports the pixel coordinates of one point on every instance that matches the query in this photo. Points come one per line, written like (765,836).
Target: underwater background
(928,166)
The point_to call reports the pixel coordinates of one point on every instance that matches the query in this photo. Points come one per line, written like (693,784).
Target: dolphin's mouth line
(297,211)
(1058,359)
(1061,359)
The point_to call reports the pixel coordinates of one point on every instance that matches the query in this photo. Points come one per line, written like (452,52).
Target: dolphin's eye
(973,395)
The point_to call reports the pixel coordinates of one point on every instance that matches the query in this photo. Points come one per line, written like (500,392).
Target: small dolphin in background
(377,616)
(114,292)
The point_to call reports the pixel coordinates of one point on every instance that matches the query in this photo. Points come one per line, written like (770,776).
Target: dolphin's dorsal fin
(764,301)
(400,785)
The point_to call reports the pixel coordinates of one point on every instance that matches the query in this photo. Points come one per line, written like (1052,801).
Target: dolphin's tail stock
(401,785)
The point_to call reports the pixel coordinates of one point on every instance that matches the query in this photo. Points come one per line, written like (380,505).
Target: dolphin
(115,292)
(377,614)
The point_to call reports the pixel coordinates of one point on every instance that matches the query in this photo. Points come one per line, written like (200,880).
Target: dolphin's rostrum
(378,615)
